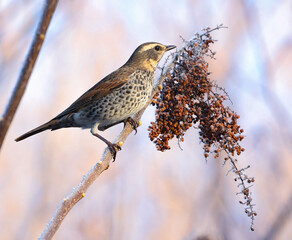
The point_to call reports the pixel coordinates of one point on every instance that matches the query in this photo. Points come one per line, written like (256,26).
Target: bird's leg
(113,148)
(134,124)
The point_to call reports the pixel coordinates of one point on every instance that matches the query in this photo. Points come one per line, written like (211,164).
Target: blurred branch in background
(27,68)
(280,221)
(269,67)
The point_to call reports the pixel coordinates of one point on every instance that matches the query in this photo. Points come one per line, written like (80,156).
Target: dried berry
(189,98)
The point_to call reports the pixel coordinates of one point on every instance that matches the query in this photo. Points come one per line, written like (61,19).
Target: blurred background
(146,194)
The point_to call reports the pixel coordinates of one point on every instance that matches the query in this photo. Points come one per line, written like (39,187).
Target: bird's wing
(107,85)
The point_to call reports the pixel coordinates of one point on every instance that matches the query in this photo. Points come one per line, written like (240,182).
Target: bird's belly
(116,106)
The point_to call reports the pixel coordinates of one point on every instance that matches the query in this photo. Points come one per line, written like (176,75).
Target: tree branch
(79,192)
(27,68)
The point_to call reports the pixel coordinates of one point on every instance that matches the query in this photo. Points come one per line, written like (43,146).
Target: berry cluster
(188,98)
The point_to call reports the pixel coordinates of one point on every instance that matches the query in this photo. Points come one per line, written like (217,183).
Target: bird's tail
(46,126)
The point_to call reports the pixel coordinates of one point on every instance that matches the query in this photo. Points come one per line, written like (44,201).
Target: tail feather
(39,129)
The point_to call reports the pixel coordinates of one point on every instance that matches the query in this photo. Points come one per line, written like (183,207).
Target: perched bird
(114,99)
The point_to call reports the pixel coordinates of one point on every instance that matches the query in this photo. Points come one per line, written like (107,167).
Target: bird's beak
(169,47)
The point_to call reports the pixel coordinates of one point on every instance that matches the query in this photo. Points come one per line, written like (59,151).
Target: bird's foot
(134,124)
(114,148)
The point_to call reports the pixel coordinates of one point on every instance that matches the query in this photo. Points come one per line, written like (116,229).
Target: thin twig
(79,192)
(18,91)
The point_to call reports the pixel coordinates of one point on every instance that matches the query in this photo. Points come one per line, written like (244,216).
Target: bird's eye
(157,48)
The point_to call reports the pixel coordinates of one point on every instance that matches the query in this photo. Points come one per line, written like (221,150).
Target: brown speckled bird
(114,99)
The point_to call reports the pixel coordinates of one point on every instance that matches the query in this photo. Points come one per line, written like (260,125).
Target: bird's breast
(120,104)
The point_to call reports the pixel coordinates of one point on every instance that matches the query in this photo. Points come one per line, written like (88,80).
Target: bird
(114,99)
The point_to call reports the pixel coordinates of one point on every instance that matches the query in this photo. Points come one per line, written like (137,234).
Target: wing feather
(107,85)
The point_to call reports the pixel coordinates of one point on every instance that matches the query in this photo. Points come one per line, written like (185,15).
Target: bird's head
(148,55)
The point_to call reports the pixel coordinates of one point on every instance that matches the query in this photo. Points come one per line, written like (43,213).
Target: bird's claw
(113,148)
(134,124)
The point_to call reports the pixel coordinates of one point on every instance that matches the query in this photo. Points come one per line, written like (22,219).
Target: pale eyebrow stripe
(145,48)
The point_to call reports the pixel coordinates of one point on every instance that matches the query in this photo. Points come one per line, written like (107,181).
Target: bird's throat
(150,65)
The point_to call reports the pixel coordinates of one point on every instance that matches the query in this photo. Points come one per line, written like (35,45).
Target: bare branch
(18,91)
(79,192)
